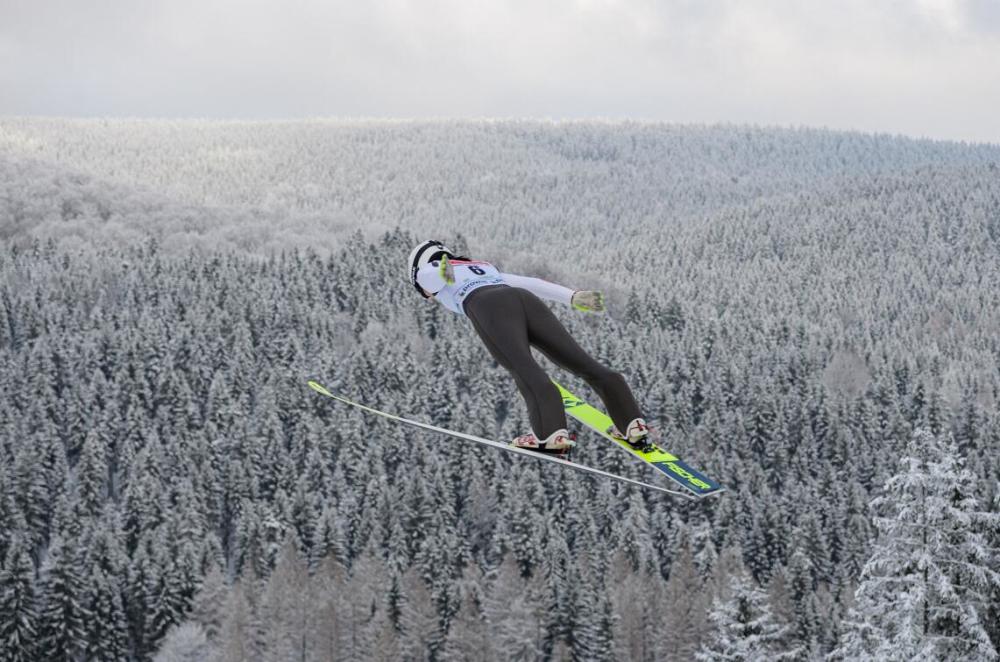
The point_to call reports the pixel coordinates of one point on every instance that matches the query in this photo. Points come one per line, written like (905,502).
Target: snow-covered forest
(809,316)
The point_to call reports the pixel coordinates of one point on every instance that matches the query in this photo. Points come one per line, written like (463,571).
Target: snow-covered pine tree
(107,629)
(469,637)
(208,602)
(551,579)
(10,514)
(742,626)
(993,612)
(186,642)
(513,611)
(18,608)
(782,604)
(365,607)
(599,640)
(925,591)
(286,608)
(633,534)
(807,621)
(164,601)
(420,625)
(236,641)
(61,631)
(92,473)
(686,600)
(331,619)
(638,606)
(30,488)
(526,531)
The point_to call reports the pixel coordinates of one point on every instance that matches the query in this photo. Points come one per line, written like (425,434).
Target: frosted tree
(925,591)
(637,599)
(208,602)
(18,607)
(29,489)
(469,637)
(92,473)
(236,640)
(285,608)
(781,601)
(553,585)
(165,601)
(107,629)
(807,618)
(419,622)
(61,624)
(332,621)
(686,601)
(634,536)
(591,632)
(363,600)
(186,642)
(742,626)
(525,530)
(10,514)
(514,612)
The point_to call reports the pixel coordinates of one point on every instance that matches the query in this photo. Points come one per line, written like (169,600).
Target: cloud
(925,67)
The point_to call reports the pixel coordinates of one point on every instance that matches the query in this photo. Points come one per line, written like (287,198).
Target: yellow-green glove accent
(589,301)
(446,271)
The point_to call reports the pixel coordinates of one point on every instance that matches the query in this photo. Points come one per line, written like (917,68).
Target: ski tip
(319,388)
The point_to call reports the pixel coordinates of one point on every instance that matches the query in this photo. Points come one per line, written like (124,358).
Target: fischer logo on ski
(687,475)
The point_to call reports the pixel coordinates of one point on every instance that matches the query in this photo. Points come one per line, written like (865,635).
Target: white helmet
(425,253)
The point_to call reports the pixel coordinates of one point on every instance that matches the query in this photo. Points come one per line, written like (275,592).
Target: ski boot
(557,443)
(638,435)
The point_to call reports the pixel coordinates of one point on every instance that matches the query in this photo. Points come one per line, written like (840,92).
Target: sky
(925,68)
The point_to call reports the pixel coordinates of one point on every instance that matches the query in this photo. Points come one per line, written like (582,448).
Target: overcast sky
(917,67)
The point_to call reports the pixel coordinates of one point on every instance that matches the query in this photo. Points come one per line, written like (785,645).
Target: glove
(588,301)
(446,271)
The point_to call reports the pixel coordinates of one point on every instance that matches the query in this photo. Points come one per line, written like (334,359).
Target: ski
(496,444)
(670,465)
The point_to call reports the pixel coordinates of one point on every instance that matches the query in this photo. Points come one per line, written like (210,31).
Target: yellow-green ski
(670,465)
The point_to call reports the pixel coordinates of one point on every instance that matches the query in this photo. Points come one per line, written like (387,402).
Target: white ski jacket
(470,275)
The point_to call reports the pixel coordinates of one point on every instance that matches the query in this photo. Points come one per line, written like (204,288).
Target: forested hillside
(809,316)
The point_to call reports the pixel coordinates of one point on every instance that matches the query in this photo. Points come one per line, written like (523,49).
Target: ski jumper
(510,318)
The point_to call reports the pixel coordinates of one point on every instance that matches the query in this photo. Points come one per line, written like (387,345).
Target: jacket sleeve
(541,288)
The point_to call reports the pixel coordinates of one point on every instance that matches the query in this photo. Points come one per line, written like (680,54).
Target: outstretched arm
(581,300)
(541,288)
